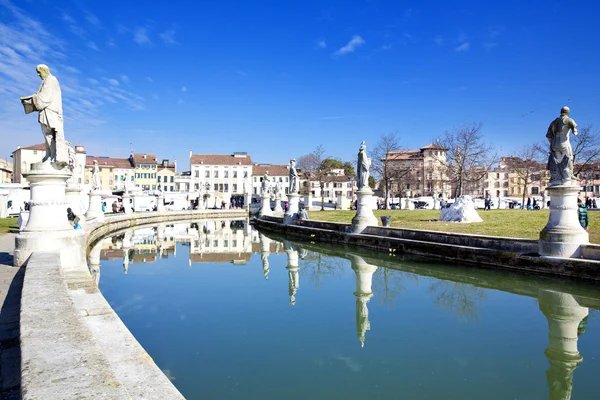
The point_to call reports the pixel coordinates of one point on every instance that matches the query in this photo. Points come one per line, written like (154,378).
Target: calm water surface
(230,313)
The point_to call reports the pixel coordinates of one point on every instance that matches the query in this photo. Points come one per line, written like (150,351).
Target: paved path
(11,283)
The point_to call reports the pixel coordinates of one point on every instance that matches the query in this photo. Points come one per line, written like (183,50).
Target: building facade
(278,173)
(146,167)
(113,172)
(6,171)
(418,172)
(165,176)
(225,177)
(23,157)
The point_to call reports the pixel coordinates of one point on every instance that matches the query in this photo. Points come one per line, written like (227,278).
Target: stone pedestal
(564,315)
(278,210)
(342,203)
(293,201)
(265,207)
(308,199)
(73,197)
(292,267)
(364,211)
(160,204)
(127,204)
(48,228)
(94,213)
(563,234)
(364,279)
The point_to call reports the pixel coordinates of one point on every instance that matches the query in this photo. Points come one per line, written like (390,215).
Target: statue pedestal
(48,228)
(94,212)
(563,234)
(127,204)
(72,195)
(293,200)
(364,211)
(278,210)
(160,204)
(265,208)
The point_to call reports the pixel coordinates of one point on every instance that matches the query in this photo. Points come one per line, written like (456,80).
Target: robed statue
(96,185)
(266,184)
(560,159)
(363,166)
(293,186)
(48,103)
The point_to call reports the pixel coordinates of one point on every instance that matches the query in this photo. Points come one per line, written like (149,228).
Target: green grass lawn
(508,223)
(8,225)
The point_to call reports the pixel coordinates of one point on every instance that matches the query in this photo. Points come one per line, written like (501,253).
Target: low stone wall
(73,343)
(485,251)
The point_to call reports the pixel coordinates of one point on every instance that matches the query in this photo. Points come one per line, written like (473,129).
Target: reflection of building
(221,241)
(564,318)
(364,278)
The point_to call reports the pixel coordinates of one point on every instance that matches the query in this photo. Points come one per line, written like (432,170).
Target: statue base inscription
(562,235)
(364,211)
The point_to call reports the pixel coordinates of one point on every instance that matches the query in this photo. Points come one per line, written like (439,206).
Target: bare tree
(381,166)
(468,158)
(317,168)
(586,149)
(526,166)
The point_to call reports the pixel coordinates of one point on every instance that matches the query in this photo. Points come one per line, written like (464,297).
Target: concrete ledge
(73,343)
(485,251)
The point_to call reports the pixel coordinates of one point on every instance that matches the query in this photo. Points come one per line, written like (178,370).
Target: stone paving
(11,283)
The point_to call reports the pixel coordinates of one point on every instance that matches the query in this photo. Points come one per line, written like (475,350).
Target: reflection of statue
(364,163)
(266,184)
(95,176)
(293,186)
(560,160)
(564,316)
(48,102)
(265,264)
(364,278)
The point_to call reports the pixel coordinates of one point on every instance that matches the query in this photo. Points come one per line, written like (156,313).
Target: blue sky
(277,78)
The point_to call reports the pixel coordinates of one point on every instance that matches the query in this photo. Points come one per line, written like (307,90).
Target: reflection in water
(233,241)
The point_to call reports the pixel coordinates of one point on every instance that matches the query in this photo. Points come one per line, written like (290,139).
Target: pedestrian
(582,213)
(115,207)
(535,206)
(286,206)
(73,219)
(529,203)
(594,203)
(103,206)
(302,215)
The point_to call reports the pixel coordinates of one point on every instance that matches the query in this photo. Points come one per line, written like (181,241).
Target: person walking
(583,214)
(73,219)
(302,215)
(529,203)
(115,207)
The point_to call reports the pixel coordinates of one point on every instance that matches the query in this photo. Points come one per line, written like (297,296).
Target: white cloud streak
(351,46)
(168,37)
(463,47)
(140,36)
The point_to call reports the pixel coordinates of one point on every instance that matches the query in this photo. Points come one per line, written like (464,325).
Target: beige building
(113,172)
(165,176)
(6,171)
(23,157)
(418,172)
(145,170)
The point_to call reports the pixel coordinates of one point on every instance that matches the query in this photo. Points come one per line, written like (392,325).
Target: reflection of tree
(316,266)
(459,298)
(389,283)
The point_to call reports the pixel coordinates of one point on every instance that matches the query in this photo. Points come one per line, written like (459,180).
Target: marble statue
(364,164)
(73,165)
(96,176)
(266,184)
(48,102)
(560,159)
(126,185)
(293,186)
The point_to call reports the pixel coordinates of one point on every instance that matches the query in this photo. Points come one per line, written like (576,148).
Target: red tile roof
(403,155)
(41,146)
(220,159)
(143,158)
(274,169)
(122,163)
(434,146)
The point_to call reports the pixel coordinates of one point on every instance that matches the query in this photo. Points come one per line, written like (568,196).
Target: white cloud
(439,40)
(93,20)
(489,45)
(184,89)
(124,78)
(463,47)
(113,82)
(168,36)
(386,47)
(321,44)
(93,46)
(140,36)
(352,45)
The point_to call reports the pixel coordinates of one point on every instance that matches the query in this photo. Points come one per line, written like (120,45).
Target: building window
(216,173)
(535,190)
(225,174)
(245,174)
(159,179)
(110,182)
(196,186)
(227,187)
(216,187)
(172,179)
(234,173)
(226,243)
(164,189)
(171,188)
(220,187)
(216,243)
(197,174)
(206,174)
(235,188)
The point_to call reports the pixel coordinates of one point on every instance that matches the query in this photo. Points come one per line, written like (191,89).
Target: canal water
(228,312)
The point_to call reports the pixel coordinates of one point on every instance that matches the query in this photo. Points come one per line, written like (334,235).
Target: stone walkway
(11,283)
